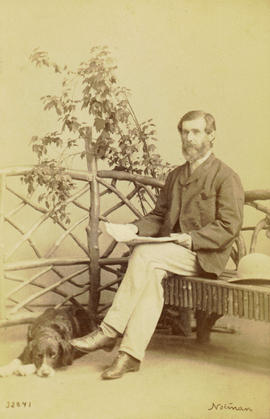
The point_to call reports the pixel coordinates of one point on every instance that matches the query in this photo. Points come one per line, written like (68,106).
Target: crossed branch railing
(18,302)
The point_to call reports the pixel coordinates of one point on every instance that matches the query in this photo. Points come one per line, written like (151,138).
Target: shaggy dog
(48,344)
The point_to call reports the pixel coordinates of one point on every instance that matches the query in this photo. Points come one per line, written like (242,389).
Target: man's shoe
(93,341)
(123,363)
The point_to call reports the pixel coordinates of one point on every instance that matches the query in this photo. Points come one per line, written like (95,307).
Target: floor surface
(228,378)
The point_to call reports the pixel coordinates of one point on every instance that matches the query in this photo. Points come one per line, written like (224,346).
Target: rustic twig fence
(45,263)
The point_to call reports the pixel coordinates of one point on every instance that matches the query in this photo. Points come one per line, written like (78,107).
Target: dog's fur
(48,345)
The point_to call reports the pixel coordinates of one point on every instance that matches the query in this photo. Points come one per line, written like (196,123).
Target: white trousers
(139,300)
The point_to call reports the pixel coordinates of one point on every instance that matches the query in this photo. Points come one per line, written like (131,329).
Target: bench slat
(256,305)
(241,303)
(246,304)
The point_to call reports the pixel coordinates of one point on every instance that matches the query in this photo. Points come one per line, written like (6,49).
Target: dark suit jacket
(208,205)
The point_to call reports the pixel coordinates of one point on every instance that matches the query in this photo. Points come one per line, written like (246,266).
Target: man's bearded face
(195,141)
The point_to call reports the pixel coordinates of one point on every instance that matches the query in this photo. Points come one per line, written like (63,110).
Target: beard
(192,153)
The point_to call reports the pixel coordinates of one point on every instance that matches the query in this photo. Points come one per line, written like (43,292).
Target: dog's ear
(30,333)
(27,354)
(66,357)
(30,348)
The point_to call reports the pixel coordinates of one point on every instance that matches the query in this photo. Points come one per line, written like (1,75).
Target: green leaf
(99,124)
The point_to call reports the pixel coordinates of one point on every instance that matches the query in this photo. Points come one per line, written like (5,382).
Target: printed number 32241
(13,404)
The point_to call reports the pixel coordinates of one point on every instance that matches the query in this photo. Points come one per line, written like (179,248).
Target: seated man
(202,201)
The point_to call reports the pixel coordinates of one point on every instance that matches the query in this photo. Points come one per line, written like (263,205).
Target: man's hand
(183,238)
(122,232)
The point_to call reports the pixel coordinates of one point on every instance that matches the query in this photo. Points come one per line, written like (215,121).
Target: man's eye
(53,354)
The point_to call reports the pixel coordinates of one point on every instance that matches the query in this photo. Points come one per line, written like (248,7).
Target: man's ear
(212,136)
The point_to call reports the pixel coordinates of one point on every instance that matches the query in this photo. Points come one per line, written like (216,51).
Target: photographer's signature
(229,406)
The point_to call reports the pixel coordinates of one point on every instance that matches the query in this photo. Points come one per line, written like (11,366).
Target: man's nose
(190,136)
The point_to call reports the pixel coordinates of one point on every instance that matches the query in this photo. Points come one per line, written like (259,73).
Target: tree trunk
(93,230)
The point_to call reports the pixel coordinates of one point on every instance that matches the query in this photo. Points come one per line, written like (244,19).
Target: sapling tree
(94,120)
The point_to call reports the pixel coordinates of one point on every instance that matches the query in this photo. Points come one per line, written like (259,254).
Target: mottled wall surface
(173,55)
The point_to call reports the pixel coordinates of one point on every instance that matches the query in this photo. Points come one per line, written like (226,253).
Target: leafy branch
(92,108)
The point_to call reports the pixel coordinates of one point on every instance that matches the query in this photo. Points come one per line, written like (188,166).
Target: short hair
(209,119)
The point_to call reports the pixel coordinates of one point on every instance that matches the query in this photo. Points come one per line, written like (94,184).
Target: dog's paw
(6,371)
(9,369)
(24,370)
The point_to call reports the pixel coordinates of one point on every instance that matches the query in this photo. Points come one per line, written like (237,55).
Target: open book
(145,239)
(126,233)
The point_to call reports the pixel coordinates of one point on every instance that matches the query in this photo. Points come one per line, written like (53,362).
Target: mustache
(191,147)
(190,144)
(194,152)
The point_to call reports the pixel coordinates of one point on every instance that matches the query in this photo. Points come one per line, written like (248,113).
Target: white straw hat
(253,269)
